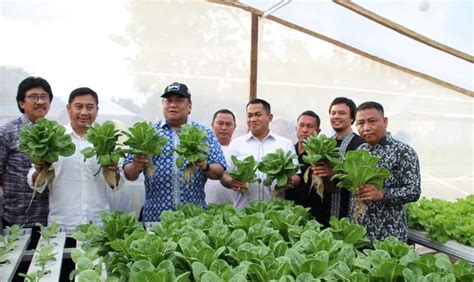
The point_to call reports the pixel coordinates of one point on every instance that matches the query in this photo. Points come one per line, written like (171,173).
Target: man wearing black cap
(166,188)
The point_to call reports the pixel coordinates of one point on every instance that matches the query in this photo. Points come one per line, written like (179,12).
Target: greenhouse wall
(128,51)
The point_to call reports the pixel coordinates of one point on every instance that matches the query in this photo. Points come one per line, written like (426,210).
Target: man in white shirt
(79,191)
(223,124)
(258,142)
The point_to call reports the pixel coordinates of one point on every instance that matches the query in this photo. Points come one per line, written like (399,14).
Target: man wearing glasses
(33,98)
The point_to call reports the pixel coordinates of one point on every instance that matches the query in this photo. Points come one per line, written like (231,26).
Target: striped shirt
(14,166)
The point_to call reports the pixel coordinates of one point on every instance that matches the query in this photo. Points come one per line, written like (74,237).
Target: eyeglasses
(36,97)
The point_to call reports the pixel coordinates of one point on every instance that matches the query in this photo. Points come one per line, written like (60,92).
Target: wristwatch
(208,167)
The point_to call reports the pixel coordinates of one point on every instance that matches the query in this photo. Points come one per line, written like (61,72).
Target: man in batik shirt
(385,214)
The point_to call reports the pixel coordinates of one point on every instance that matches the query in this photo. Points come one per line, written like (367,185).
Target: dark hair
(223,111)
(265,104)
(81,91)
(348,102)
(311,114)
(29,83)
(371,105)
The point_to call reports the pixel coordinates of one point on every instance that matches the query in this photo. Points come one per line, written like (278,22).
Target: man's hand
(40,166)
(238,185)
(202,165)
(232,183)
(368,192)
(112,168)
(133,169)
(322,169)
(139,162)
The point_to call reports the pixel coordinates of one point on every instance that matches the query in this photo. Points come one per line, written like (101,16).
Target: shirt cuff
(29,180)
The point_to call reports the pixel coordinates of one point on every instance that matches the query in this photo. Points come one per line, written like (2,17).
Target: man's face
(258,120)
(305,127)
(82,111)
(176,109)
(224,126)
(36,103)
(340,117)
(372,126)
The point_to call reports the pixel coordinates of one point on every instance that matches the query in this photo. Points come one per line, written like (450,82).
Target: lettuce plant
(319,148)
(278,166)
(104,138)
(45,141)
(144,139)
(444,220)
(43,256)
(268,241)
(245,170)
(359,168)
(8,243)
(192,147)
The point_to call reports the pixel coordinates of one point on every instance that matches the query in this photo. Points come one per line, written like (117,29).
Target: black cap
(176,88)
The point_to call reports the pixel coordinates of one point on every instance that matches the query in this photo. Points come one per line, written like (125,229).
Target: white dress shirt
(79,191)
(215,192)
(249,145)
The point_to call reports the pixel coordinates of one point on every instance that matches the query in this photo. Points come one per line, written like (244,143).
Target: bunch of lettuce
(278,166)
(192,147)
(319,148)
(143,139)
(45,141)
(444,220)
(359,168)
(245,170)
(104,139)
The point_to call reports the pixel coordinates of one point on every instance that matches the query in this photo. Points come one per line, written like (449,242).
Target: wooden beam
(372,57)
(403,30)
(253,57)
(347,47)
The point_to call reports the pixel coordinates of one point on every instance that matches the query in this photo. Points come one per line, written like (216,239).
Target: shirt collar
(162,124)
(70,131)
(345,136)
(387,139)
(24,119)
(269,135)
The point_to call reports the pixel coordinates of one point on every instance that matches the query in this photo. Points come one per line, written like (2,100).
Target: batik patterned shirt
(387,217)
(166,188)
(14,166)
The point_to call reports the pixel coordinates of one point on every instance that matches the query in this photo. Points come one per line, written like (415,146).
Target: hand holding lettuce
(319,148)
(359,168)
(278,166)
(192,147)
(44,142)
(245,170)
(104,139)
(144,140)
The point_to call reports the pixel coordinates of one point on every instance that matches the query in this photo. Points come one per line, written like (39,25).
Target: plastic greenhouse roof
(449,23)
